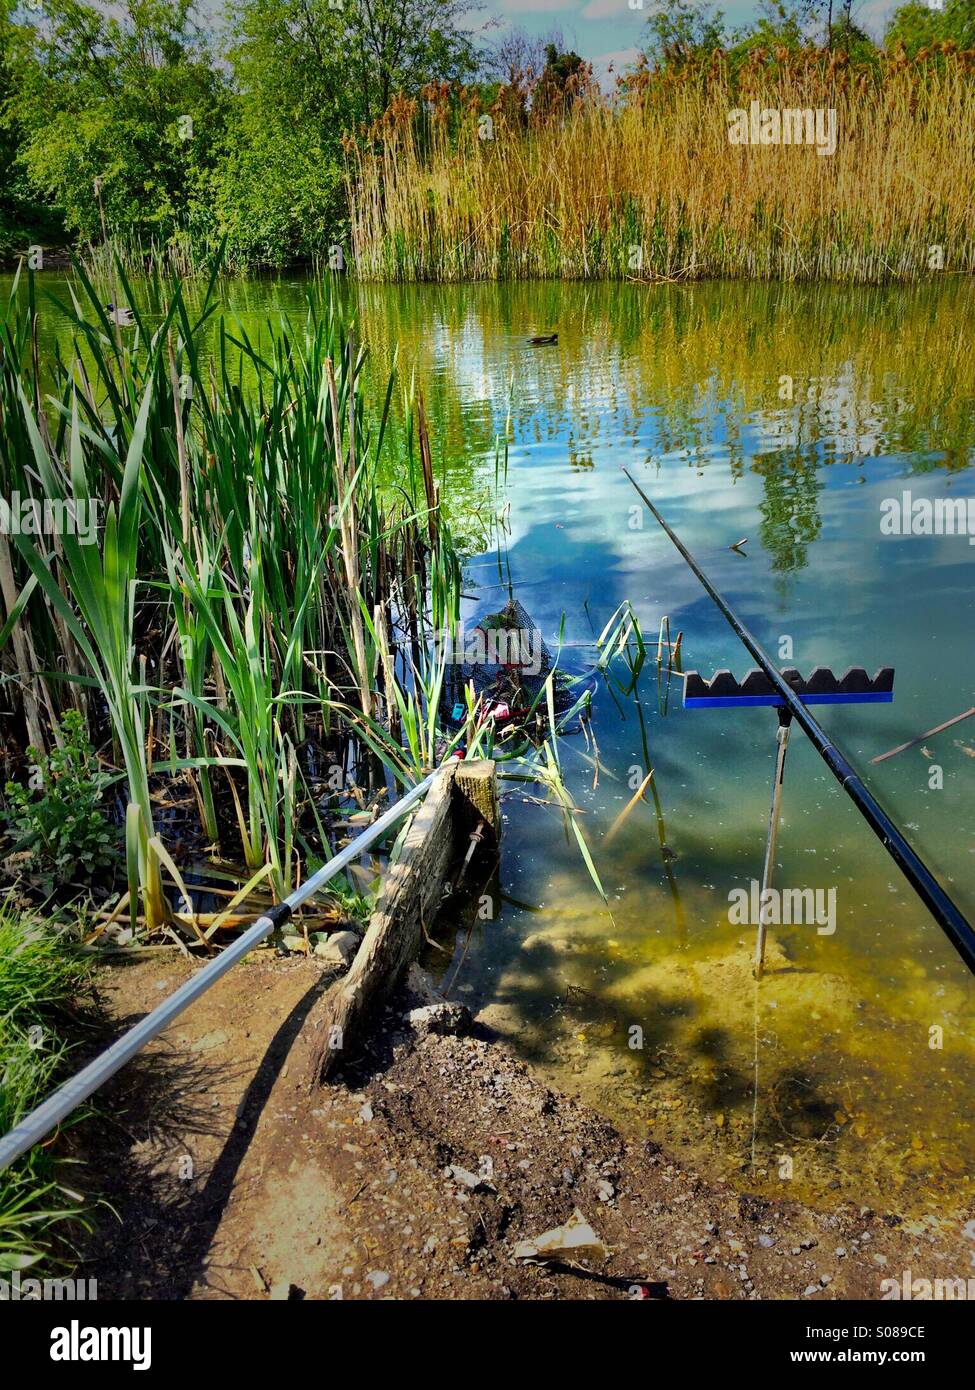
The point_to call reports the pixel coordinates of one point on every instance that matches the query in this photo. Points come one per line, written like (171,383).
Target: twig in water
(637,796)
(921,738)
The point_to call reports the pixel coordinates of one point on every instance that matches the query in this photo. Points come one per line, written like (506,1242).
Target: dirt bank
(418,1174)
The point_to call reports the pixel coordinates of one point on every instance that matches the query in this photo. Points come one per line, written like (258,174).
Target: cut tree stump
(463,795)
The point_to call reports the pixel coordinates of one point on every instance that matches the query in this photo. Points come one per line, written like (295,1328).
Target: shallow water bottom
(798,1085)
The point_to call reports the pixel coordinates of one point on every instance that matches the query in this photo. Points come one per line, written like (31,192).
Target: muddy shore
(419,1172)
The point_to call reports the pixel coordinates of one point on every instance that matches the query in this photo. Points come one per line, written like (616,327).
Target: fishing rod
(33,1127)
(945,912)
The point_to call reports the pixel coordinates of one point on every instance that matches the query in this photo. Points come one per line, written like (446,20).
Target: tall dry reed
(646,184)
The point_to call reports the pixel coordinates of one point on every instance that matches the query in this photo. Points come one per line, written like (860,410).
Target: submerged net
(503,656)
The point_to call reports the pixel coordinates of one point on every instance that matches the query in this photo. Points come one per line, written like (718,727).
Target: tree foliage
(190,141)
(917,26)
(197,132)
(130,96)
(306,72)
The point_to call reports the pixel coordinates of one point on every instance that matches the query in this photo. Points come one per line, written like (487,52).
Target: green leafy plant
(56,816)
(41,973)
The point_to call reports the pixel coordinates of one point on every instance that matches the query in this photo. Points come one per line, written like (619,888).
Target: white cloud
(619,58)
(604,9)
(872,16)
(536,6)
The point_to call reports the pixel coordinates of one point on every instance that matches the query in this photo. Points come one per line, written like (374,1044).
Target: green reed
(254,588)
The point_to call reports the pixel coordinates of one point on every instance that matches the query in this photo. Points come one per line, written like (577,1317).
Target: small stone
(338,949)
(286,1293)
(378,1278)
(465,1177)
(366,1113)
(444,1018)
(825,1279)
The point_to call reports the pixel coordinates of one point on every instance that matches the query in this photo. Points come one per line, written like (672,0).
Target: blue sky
(609,32)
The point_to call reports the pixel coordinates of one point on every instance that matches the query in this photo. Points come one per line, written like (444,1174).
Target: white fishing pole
(39,1123)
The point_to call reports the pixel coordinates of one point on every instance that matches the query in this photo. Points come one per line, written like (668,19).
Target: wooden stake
(463,795)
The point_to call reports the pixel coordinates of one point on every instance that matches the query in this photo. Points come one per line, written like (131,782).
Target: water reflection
(785,415)
(789,509)
(866,372)
(687,388)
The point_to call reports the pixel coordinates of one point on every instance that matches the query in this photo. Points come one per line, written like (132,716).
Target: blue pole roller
(854,687)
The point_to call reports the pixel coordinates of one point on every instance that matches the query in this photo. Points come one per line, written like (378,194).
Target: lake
(787,416)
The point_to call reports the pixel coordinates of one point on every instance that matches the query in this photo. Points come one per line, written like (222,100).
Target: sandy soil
(418,1174)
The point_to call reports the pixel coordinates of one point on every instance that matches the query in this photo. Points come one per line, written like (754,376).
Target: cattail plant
(256,586)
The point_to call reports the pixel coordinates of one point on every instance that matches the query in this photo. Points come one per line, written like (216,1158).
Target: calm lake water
(684,387)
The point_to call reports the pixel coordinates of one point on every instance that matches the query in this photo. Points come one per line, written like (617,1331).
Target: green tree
(851,39)
(308,72)
(24,215)
(130,96)
(560,79)
(184,141)
(917,26)
(399,45)
(681,28)
(281,190)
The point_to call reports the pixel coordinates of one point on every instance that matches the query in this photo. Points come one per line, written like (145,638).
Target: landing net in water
(504,658)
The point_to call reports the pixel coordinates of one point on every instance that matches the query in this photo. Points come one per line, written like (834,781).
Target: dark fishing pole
(948,916)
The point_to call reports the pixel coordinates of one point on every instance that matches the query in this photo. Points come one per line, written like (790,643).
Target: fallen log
(463,796)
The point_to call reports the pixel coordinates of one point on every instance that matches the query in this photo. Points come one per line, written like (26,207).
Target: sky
(609,34)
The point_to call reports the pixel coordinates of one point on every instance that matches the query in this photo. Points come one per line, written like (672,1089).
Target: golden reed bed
(646,183)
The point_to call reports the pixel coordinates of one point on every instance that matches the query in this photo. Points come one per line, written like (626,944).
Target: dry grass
(570,195)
